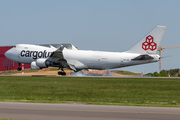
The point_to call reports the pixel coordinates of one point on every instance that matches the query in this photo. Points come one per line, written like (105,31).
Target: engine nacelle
(34,66)
(43,63)
(40,63)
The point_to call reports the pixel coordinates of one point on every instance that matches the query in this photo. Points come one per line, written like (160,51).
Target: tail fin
(149,44)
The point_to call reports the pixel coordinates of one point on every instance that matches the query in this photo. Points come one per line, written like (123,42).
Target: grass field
(103,91)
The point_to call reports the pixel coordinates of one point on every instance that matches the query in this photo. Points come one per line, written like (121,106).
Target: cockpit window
(14,46)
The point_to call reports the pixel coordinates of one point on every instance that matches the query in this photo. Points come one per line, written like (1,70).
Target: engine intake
(34,66)
(41,63)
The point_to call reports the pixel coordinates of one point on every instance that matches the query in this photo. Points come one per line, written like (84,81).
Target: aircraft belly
(91,59)
(77,64)
(100,60)
(105,60)
(77,58)
(132,63)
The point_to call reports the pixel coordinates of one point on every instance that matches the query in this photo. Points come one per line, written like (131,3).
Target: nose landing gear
(19,67)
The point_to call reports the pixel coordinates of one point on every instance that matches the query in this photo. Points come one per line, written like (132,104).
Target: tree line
(166,73)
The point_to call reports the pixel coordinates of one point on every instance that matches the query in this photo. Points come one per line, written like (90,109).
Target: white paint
(82,59)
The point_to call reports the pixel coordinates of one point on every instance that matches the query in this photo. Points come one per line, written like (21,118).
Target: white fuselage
(102,60)
(67,56)
(81,59)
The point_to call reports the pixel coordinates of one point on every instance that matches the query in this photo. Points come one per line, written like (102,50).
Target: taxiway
(74,111)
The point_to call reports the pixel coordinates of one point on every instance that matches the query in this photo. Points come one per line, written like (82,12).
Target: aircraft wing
(58,58)
(143,57)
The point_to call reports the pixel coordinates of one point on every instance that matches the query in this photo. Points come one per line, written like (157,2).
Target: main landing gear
(19,67)
(62,72)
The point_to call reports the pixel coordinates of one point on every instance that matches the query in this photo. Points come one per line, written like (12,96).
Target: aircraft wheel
(19,69)
(59,73)
(62,73)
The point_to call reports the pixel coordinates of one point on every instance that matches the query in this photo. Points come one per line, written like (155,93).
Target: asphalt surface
(41,111)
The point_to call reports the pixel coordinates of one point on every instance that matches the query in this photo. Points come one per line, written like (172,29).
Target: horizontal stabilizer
(143,57)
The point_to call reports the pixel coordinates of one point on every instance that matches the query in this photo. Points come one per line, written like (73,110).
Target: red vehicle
(6,64)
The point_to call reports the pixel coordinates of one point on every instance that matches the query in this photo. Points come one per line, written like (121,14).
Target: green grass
(103,91)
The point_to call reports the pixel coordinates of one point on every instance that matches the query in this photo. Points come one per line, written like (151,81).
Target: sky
(103,25)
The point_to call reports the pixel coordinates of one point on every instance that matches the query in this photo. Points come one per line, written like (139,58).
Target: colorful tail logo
(149,44)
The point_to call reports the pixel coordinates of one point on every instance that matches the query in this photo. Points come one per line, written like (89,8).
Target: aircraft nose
(8,54)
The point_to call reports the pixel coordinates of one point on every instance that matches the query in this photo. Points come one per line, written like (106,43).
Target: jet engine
(40,63)
(34,66)
(43,63)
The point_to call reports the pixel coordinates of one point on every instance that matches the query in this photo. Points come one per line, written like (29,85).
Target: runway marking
(91,111)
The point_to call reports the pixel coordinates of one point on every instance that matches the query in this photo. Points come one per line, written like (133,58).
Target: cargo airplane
(68,56)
